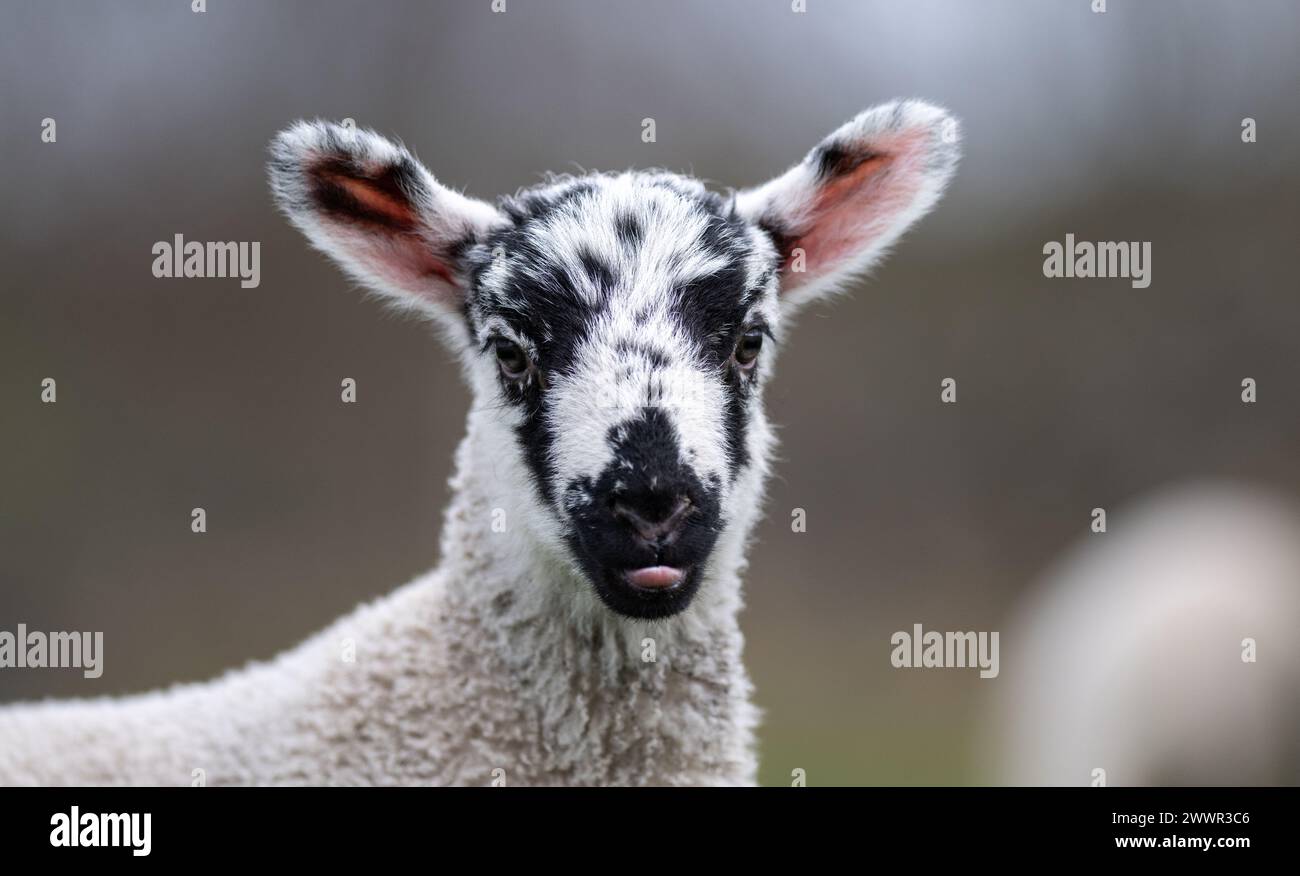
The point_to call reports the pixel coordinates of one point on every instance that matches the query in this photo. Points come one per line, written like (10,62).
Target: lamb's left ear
(367,203)
(836,213)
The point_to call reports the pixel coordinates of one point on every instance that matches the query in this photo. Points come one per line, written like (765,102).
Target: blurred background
(1072,394)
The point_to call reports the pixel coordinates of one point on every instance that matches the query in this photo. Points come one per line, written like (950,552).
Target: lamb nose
(655,521)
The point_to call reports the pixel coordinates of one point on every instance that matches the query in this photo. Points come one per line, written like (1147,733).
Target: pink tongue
(655,577)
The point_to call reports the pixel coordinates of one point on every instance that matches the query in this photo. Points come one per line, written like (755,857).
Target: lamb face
(623,319)
(618,329)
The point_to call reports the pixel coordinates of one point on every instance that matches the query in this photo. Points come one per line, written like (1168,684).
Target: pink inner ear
(404,259)
(851,211)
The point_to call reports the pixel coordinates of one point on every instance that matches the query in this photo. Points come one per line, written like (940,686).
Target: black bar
(333,824)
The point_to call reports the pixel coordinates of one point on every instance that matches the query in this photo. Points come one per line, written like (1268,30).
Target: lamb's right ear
(368,204)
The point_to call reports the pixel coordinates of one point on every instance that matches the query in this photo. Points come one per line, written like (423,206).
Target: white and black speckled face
(625,317)
(617,328)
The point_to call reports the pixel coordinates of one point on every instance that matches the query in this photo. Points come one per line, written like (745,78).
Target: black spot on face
(539,203)
(735,421)
(629,230)
(542,301)
(643,350)
(647,473)
(598,272)
(711,308)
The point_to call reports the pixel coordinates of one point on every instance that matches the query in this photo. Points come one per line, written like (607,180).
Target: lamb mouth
(662,591)
(656,578)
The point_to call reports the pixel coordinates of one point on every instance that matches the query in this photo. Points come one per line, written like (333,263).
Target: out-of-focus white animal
(1132,657)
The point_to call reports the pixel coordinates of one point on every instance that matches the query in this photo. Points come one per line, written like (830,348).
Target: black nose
(656,518)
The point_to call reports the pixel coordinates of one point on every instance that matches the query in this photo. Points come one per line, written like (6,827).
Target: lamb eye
(512,359)
(747,348)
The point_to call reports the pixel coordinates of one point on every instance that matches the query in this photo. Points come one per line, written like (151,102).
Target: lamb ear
(836,213)
(368,204)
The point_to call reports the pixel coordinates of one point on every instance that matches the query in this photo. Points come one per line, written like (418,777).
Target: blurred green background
(1072,393)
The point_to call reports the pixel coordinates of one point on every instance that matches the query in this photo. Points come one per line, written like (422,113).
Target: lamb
(616,331)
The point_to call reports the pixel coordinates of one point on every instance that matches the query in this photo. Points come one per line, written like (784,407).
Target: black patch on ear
(385,197)
(833,160)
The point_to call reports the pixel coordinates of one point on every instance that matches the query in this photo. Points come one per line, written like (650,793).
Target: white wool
(472,668)
(498,660)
